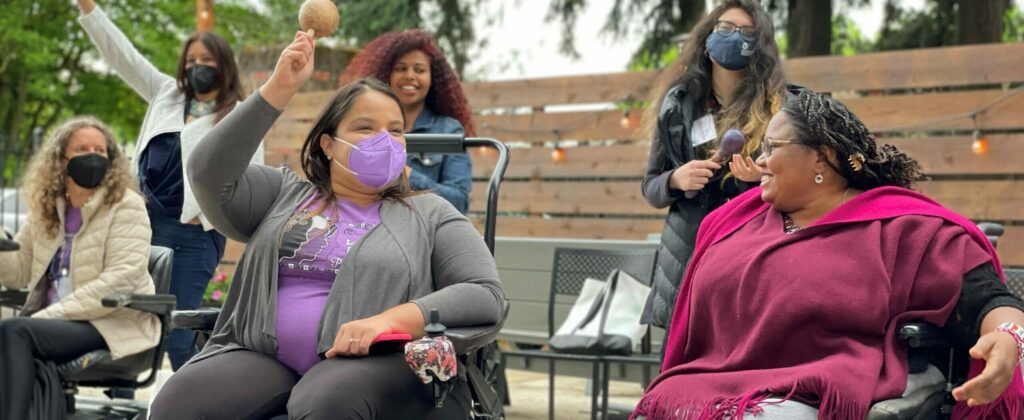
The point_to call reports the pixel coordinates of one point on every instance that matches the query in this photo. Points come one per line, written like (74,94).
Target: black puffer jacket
(671,148)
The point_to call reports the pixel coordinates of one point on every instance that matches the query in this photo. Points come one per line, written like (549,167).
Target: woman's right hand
(87,6)
(293,69)
(693,175)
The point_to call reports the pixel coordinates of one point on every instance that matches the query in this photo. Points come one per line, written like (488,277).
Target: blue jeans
(196,256)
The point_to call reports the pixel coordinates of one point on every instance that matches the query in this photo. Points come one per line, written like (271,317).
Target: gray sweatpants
(248,385)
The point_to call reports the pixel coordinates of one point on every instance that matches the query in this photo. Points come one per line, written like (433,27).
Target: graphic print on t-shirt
(319,242)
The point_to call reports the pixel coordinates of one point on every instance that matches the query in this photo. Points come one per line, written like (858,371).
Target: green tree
(49,69)
(847,39)
(945,22)
(661,21)
(449,21)
(809,22)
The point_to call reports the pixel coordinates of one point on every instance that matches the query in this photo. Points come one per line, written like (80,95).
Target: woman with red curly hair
(432,99)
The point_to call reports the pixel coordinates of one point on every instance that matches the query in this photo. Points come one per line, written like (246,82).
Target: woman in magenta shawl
(790,305)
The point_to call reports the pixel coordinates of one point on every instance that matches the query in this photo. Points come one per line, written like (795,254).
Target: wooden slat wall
(916,100)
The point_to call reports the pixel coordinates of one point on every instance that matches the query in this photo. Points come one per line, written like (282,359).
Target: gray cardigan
(423,251)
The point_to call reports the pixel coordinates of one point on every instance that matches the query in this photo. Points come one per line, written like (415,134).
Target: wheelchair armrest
(7,245)
(196,319)
(924,335)
(13,297)
(469,339)
(160,305)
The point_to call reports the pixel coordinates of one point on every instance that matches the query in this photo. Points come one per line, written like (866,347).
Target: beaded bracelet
(1018,336)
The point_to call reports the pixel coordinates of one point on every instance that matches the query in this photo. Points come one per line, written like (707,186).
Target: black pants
(248,385)
(25,339)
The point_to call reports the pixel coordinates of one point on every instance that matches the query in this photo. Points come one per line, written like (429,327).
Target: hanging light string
(973,114)
(557,131)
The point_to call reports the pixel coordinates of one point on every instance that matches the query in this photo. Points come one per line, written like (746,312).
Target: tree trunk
(980,21)
(16,113)
(690,11)
(809,28)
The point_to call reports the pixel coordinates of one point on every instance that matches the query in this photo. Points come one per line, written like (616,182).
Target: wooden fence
(919,100)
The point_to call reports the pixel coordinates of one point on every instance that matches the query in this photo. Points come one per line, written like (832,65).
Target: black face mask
(88,170)
(203,78)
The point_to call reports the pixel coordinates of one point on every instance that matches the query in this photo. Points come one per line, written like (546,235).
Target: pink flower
(220,277)
(216,295)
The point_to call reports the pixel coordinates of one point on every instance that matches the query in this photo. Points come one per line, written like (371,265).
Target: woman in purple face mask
(332,261)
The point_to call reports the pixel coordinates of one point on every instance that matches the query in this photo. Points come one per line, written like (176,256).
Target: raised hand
(87,6)
(293,69)
(744,168)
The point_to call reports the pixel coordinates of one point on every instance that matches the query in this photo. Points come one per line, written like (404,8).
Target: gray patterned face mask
(730,51)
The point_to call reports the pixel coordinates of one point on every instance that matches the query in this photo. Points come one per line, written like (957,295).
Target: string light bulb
(979,144)
(558,154)
(630,119)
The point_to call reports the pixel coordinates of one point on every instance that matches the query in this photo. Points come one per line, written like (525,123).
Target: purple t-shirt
(312,249)
(60,266)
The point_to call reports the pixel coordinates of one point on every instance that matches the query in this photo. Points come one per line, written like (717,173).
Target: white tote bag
(605,318)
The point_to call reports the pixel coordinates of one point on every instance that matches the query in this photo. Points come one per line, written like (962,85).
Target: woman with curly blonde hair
(87,237)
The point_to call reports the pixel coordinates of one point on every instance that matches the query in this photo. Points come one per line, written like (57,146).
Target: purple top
(312,249)
(60,265)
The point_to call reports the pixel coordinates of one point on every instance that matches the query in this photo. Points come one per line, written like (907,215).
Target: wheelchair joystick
(433,358)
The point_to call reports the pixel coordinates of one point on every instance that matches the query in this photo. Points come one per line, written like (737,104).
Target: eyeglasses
(768,145)
(726,28)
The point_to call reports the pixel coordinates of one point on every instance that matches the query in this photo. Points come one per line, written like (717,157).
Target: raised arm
(119,53)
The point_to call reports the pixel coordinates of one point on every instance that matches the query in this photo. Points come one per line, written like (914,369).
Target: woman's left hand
(354,337)
(999,351)
(744,168)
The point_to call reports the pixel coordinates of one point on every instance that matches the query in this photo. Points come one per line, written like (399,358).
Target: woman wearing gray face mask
(87,236)
(182,109)
(727,76)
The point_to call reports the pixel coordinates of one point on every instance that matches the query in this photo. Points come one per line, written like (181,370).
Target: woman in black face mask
(87,236)
(728,75)
(181,110)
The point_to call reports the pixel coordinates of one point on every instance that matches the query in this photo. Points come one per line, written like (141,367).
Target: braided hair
(820,121)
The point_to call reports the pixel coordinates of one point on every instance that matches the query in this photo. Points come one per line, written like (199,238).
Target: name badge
(703,130)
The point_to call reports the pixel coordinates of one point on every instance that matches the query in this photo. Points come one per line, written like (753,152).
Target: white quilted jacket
(109,255)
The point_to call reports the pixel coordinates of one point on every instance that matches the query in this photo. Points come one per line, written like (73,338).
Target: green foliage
(933,26)
(49,69)
(1013,30)
(847,38)
(217,290)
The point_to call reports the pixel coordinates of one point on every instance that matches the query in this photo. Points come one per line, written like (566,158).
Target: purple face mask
(377,161)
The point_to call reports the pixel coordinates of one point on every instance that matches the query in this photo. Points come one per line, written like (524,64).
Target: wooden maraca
(318,18)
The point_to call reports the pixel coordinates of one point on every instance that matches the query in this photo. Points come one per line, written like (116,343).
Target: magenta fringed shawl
(812,316)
